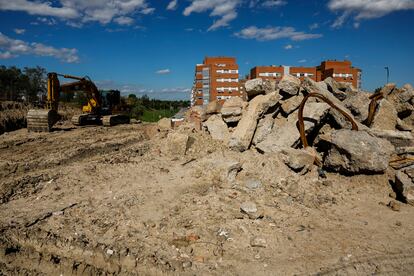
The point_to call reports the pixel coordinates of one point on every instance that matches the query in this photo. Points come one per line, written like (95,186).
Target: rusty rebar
(301,121)
(372,107)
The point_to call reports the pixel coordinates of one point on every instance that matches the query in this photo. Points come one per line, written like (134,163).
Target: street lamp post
(388,73)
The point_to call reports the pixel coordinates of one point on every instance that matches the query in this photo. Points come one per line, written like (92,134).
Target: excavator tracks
(85,119)
(39,120)
(113,120)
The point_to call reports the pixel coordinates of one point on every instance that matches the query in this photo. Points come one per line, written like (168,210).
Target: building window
(268,74)
(227,89)
(228,71)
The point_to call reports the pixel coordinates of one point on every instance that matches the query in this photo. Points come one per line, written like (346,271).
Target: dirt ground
(99,201)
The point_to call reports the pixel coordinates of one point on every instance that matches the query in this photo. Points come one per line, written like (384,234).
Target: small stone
(248,207)
(253,183)
(199,259)
(187,264)
(109,252)
(164,124)
(395,206)
(258,242)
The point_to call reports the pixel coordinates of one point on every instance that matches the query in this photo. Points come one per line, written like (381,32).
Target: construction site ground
(96,200)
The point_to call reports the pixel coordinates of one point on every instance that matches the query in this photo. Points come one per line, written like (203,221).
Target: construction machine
(98,109)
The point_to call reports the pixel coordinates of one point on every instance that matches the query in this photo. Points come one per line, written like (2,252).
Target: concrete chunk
(405,187)
(357,152)
(242,136)
(217,128)
(289,85)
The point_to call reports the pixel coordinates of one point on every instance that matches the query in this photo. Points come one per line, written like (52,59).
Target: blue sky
(151,46)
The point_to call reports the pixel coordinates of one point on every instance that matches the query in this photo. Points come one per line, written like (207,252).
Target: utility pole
(388,74)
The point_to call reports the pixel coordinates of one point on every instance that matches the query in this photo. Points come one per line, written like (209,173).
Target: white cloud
(340,20)
(172,5)
(10,48)
(19,31)
(163,71)
(302,61)
(226,10)
(367,9)
(273,3)
(80,11)
(288,47)
(47,21)
(274,33)
(124,20)
(6,55)
(314,26)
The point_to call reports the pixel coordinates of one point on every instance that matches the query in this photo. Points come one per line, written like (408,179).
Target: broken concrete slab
(264,128)
(388,89)
(314,87)
(299,160)
(164,124)
(177,143)
(259,86)
(226,169)
(243,134)
(358,104)
(397,138)
(213,107)
(404,187)
(385,117)
(217,128)
(285,132)
(333,87)
(232,109)
(289,85)
(357,152)
(290,105)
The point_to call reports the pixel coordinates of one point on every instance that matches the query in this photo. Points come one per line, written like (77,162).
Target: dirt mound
(12,116)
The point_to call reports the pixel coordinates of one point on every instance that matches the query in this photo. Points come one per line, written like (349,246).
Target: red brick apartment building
(341,71)
(217,78)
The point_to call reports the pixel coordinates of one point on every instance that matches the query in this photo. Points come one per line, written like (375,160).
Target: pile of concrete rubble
(344,130)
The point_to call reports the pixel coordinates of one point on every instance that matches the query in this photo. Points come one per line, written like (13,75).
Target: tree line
(22,85)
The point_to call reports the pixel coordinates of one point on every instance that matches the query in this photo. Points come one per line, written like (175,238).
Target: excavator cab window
(110,99)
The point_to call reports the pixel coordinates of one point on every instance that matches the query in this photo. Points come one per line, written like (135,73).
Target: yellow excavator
(97,110)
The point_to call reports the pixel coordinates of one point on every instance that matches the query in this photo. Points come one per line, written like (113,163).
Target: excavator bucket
(41,120)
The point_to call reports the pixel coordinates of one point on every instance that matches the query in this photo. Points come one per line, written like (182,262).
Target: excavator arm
(43,120)
(54,88)
(93,113)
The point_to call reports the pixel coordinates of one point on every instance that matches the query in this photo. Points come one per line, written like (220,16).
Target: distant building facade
(217,78)
(341,71)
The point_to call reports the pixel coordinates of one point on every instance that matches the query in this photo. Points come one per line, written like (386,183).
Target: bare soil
(97,200)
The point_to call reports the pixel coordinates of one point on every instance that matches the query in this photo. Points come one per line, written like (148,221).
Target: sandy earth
(97,200)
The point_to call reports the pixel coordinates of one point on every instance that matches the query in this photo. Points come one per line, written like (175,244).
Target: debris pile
(12,116)
(326,125)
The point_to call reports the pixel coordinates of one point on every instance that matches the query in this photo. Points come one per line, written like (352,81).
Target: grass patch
(155,115)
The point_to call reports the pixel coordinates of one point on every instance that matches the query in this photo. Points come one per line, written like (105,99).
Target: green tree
(36,82)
